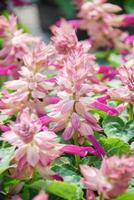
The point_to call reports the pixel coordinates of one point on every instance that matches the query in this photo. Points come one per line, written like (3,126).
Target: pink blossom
(28,89)
(112,178)
(35,148)
(126,74)
(41,196)
(100,17)
(17,43)
(64,37)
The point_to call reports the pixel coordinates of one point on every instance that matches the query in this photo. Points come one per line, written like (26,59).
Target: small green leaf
(126,196)
(91,160)
(64,190)
(116,127)
(5,158)
(129,6)
(115,146)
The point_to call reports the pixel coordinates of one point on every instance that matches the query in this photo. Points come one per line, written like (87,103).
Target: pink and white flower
(112,179)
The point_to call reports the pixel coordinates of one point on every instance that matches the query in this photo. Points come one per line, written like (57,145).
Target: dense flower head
(125,92)
(64,37)
(28,90)
(36,146)
(112,178)
(99,19)
(75,88)
(8,26)
(16,44)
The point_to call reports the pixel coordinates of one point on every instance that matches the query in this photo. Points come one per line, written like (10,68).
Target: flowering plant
(66,119)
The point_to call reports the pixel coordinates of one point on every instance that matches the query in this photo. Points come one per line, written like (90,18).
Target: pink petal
(67,107)
(32,156)
(4,128)
(68,133)
(75,119)
(97,145)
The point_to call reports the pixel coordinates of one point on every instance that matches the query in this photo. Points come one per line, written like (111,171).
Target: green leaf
(129,6)
(91,160)
(116,127)
(115,146)
(5,158)
(64,190)
(126,196)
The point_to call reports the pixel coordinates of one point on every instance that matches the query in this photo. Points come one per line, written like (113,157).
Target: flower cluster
(61,109)
(111,179)
(99,18)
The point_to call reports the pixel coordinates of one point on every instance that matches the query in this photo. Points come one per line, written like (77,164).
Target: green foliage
(115,146)
(6,155)
(67,7)
(64,190)
(126,196)
(116,127)
(129,6)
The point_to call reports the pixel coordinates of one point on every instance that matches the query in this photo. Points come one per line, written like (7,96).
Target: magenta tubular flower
(108,72)
(128,19)
(4,128)
(112,179)
(98,16)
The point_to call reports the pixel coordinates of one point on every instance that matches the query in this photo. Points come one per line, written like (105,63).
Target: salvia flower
(125,92)
(100,20)
(36,146)
(112,178)
(16,45)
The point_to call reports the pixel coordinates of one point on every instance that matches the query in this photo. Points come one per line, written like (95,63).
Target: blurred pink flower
(100,17)
(125,92)
(41,196)
(16,45)
(64,37)
(28,89)
(112,178)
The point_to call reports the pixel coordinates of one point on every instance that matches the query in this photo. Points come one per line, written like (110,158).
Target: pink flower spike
(97,145)
(78,150)
(128,20)
(4,128)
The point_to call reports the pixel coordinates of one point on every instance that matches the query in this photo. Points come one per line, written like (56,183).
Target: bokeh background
(39,15)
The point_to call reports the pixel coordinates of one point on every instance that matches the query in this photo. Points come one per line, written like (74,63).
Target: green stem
(131,112)
(101,197)
(77,157)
